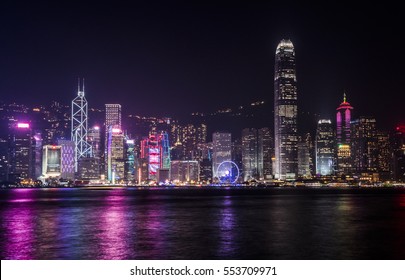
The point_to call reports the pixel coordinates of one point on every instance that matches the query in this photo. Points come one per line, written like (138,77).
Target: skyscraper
(52,161)
(20,156)
(250,154)
(115,155)
(266,151)
(112,116)
(221,151)
(343,135)
(364,145)
(303,158)
(325,148)
(398,143)
(68,159)
(285,112)
(384,155)
(112,121)
(79,126)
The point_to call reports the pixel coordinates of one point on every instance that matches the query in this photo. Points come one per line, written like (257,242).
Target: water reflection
(227,228)
(113,232)
(19,235)
(132,224)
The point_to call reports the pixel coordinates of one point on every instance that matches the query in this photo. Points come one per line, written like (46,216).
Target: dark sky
(174,59)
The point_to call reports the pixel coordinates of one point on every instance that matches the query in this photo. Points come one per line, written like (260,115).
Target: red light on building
(401,128)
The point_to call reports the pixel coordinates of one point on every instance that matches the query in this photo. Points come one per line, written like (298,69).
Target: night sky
(171,60)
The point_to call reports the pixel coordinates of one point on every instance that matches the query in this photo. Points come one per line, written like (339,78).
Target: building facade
(343,137)
(325,148)
(285,112)
(221,152)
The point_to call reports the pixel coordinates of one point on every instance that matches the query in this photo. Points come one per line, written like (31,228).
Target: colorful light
(23,125)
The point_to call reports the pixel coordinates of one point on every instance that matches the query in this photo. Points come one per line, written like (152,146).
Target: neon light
(116,130)
(23,125)
(96,128)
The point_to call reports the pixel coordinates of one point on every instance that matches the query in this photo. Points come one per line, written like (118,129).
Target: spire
(344,97)
(80,92)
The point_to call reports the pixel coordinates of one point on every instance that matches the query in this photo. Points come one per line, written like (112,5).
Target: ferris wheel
(227,172)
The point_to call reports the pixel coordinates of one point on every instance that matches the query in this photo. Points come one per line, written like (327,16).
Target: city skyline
(221,57)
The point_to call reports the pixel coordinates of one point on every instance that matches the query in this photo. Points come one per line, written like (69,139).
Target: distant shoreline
(191,189)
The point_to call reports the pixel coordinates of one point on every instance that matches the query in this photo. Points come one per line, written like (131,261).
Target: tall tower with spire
(285,112)
(79,125)
(343,134)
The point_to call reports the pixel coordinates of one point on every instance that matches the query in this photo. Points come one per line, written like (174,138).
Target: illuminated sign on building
(23,125)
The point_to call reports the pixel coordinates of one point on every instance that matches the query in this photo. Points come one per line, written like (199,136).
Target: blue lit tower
(285,112)
(79,125)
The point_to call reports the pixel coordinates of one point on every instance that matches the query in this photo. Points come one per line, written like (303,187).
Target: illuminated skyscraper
(79,126)
(221,151)
(20,157)
(343,135)
(68,159)
(384,155)
(325,148)
(156,150)
(285,112)
(51,161)
(112,116)
(115,155)
(112,121)
(364,145)
(250,154)
(398,143)
(94,140)
(266,151)
(303,158)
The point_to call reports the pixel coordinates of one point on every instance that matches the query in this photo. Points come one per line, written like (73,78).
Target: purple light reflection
(227,224)
(114,233)
(18,225)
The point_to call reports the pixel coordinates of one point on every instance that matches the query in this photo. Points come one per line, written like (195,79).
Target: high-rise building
(88,169)
(384,155)
(285,112)
(94,139)
(3,159)
(51,161)
(37,155)
(364,145)
(130,174)
(79,125)
(398,144)
(156,150)
(303,158)
(325,148)
(115,155)
(250,154)
(68,159)
(343,135)
(221,152)
(187,138)
(266,152)
(112,116)
(112,121)
(20,156)
(185,171)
